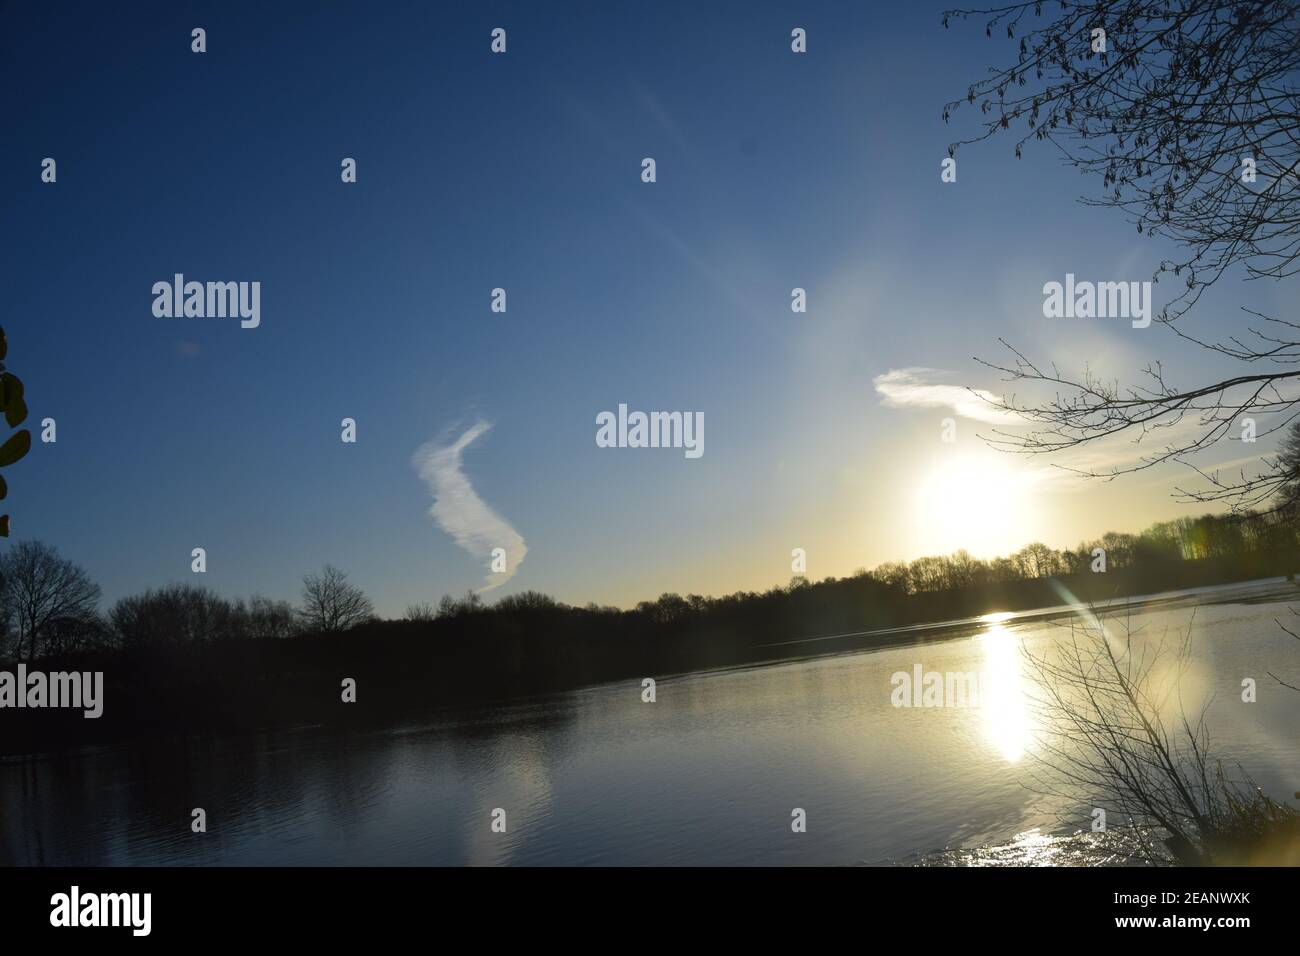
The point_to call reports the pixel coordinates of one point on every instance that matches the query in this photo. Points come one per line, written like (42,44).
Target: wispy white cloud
(916,388)
(459,510)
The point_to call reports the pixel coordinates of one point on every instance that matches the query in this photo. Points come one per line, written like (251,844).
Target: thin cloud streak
(908,388)
(916,388)
(459,510)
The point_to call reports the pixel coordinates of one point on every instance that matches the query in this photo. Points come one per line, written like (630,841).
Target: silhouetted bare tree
(421,612)
(177,614)
(330,603)
(39,589)
(265,619)
(1184,99)
(1288,464)
(471,603)
(1114,728)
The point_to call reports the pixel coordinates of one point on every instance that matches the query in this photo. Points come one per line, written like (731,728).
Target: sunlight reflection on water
(1118,846)
(707,776)
(1003,703)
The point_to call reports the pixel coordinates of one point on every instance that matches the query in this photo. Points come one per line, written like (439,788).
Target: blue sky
(522,171)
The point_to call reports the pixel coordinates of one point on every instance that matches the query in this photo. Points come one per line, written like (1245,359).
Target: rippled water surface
(708,774)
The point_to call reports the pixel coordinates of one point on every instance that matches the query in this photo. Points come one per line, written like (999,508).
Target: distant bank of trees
(181,658)
(1165,543)
(49,606)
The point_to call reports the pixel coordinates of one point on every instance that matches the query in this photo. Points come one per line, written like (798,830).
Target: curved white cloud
(912,388)
(459,510)
(916,388)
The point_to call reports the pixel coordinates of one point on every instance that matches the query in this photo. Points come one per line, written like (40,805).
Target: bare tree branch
(1189,112)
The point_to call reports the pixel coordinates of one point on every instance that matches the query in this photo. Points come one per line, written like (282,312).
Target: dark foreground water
(708,774)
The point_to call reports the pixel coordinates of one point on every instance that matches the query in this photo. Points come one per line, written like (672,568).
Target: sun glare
(978,503)
(1003,704)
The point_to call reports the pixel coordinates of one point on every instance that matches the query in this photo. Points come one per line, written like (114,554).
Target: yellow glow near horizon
(975,502)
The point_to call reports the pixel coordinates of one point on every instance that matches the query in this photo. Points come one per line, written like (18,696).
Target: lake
(709,773)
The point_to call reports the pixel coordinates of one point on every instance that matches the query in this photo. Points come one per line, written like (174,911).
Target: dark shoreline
(404,673)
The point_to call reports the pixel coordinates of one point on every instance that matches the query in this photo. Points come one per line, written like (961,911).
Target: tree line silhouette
(181,658)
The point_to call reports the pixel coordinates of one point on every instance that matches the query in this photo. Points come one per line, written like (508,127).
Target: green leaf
(4,488)
(4,526)
(17,446)
(4,345)
(16,412)
(11,389)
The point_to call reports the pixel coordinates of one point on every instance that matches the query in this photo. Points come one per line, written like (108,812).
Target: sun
(978,502)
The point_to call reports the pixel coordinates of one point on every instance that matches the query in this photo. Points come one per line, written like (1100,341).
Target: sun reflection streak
(1003,701)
